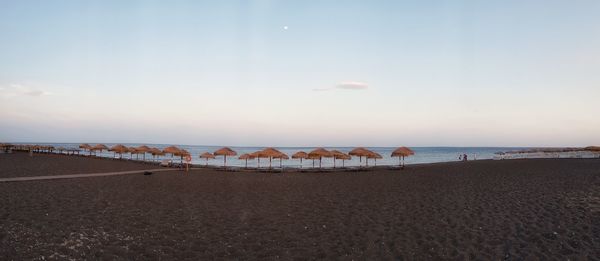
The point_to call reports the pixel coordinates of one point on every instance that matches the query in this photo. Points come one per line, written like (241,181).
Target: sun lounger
(166,163)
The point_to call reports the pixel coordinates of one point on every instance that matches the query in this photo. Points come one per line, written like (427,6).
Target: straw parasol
(182,153)
(281,157)
(300,155)
(119,149)
(133,150)
(99,147)
(257,155)
(360,152)
(143,149)
(225,151)
(270,153)
(374,155)
(344,158)
(87,147)
(171,150)
(207,156)
(313,158)
(320,153)
(245,157)
(337,155)
(156,152)
(401,153)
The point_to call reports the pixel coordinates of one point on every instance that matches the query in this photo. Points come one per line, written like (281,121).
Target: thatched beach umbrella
(320,153)
(257,155)
(99,147)
(375,156)
(119,149)
(143,149)
(133,150)
(281,157)
(87,147)
(313,158)
(337,155)
(359,152)
(300,155)
(182,153)
(401,153)
(156,152)
(207,156)
(171,150)
(225,151)
(245,157)
(344,158)
(270,153)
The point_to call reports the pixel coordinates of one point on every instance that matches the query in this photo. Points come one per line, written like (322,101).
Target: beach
(504,209)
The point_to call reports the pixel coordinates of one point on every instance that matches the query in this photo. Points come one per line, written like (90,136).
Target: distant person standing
(460,157)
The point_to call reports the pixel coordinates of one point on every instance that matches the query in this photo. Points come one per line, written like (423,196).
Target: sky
(301,73)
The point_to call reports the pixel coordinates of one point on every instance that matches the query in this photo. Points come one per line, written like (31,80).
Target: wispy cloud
(352,86)
(348,85)
(15,90)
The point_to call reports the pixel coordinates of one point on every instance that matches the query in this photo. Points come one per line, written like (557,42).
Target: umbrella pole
(320,160)
(258,165)
(246,164)
(334,162)
(224,161)
(270,158)
(300,162)
(280,162)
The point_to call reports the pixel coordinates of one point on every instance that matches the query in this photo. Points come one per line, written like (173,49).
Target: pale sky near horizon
(301,73)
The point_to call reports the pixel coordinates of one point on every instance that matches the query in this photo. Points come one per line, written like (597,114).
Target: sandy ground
(19,164)
(520,209)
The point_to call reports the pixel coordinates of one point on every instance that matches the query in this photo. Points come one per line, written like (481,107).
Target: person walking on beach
(460,157)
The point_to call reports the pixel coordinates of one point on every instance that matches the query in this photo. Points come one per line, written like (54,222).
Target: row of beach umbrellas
(269,154)
(317,154)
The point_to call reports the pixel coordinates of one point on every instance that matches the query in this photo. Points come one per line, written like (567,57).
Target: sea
(422,155)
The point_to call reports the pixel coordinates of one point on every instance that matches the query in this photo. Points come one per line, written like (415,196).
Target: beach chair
(166,163)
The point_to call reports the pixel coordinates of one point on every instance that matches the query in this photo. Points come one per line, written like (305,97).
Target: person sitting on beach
(464,157)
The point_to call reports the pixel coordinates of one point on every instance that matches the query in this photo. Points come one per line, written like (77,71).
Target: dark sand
(521,209)
(19,164)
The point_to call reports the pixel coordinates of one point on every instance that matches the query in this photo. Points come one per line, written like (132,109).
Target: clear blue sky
(286,73)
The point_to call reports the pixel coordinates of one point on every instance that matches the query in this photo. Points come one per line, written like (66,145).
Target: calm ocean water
(422,154)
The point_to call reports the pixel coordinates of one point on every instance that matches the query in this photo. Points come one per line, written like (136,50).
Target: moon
(285,27)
